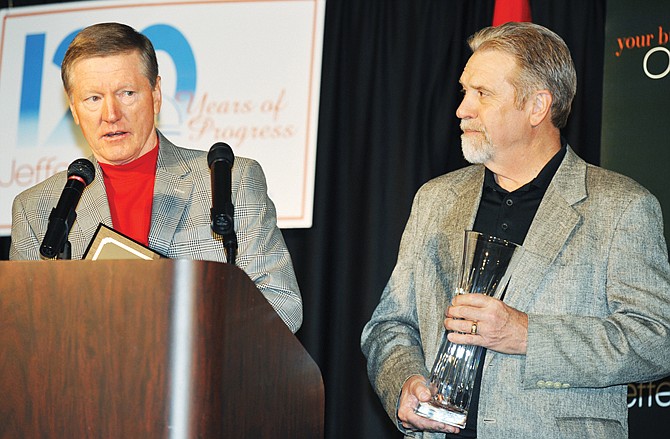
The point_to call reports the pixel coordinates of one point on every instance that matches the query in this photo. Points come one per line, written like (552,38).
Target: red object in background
(511,10)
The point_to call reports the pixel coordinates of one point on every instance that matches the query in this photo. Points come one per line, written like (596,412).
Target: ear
(157,96)
(73,110)
(540,106)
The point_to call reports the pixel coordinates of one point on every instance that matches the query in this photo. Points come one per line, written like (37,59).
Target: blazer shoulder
(604,181)
(197,158)
(248,174)
(578,181)
(248,165)
(455,180)
(48,188)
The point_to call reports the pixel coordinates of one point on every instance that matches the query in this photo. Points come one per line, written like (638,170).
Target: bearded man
(587,307)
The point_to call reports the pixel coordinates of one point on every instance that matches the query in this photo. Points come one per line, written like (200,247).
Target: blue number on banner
(64,131)
(31,90)
(170,40)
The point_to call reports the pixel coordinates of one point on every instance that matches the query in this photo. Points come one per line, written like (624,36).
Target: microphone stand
(65,251)
(223,225)
(230,245)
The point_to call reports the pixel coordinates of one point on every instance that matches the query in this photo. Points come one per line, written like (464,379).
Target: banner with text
(635,135)
(242,72)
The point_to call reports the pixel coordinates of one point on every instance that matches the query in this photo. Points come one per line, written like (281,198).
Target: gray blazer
(593,276)
(180,221)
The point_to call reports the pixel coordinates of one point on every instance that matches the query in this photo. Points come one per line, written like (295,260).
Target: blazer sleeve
(391,340)
(262,252)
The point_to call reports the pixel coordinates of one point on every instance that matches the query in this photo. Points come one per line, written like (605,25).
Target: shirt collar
(541,181)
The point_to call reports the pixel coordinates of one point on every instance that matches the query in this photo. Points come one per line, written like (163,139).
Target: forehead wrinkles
(125,65)
(488,70)
(103,77)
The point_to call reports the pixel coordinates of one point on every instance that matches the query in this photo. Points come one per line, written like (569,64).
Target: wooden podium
(148,349)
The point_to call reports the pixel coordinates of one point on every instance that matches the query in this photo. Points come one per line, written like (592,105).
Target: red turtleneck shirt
(130,191)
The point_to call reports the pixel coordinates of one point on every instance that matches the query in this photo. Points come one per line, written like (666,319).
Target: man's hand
(414,391)
(485,321)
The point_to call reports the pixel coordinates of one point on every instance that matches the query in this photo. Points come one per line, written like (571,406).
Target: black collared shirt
(507,215)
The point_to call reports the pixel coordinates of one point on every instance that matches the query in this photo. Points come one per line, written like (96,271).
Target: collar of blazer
(172,193)
(94,198)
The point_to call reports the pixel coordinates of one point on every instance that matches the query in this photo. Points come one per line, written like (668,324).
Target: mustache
(471,126)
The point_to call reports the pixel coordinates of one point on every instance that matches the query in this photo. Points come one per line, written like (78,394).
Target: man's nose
(466,108)
(111,112)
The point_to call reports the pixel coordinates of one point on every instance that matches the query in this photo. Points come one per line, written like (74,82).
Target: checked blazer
(180,221)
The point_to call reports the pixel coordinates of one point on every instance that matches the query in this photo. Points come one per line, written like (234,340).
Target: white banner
(242,72)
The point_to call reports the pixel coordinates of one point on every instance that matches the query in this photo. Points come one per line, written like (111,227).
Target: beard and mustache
(476,149)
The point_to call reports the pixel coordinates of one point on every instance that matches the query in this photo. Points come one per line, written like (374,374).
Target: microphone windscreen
(220,151)
(82,168)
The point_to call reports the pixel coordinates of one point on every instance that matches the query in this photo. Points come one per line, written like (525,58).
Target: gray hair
(543,61)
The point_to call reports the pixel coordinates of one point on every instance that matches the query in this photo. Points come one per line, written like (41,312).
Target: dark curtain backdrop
(387,124)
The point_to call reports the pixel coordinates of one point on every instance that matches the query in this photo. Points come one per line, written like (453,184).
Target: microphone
(80,174)
(220,160)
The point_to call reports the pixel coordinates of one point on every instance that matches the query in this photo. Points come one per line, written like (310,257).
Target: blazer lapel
(552,226)
(171,194)
(96,197)
(458,211)
(554,222)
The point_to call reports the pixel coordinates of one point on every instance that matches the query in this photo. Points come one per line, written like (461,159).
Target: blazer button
(540,384)
(558,385)
(566,386)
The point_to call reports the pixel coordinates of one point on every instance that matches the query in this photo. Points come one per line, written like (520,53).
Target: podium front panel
(150,349)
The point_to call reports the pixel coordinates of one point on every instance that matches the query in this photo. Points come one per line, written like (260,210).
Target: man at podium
(145,187)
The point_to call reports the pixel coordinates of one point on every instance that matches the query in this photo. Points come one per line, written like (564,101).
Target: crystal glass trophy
(484,270)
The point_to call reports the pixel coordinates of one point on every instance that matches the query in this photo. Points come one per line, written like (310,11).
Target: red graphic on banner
(511,10)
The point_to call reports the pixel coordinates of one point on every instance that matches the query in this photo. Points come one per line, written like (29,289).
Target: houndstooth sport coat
(180,221)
